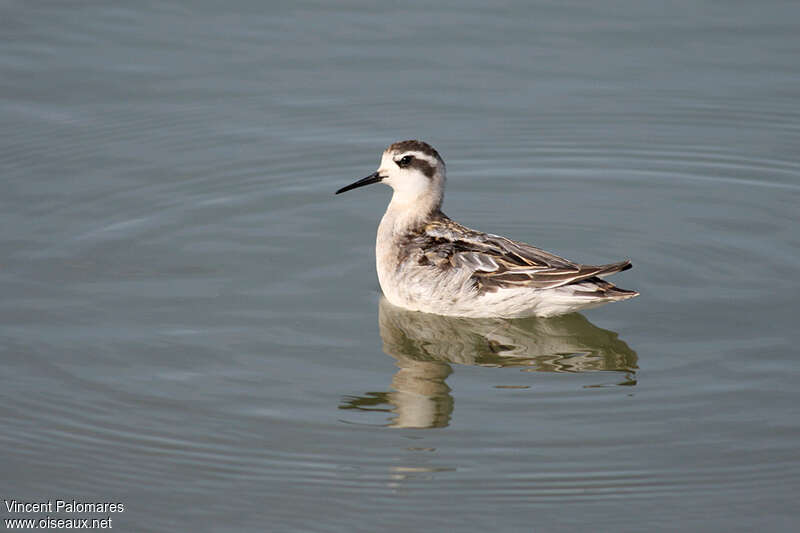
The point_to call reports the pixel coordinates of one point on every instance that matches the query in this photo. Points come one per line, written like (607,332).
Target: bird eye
(405,161)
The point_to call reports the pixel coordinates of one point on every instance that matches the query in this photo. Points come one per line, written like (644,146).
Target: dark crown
(417,146)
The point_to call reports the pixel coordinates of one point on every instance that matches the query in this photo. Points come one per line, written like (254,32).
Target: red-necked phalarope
(427,262)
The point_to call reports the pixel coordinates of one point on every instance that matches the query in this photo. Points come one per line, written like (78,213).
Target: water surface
(191,323)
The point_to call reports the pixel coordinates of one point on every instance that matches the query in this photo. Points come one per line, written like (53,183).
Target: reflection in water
(425,345)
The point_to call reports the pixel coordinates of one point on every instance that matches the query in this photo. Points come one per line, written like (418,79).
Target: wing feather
(498,262)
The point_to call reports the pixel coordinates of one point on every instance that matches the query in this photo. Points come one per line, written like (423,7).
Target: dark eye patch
(405,161)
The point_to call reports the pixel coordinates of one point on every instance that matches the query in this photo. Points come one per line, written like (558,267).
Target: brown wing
(498,262)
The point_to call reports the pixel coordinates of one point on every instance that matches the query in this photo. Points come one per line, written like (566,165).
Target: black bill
(369,180)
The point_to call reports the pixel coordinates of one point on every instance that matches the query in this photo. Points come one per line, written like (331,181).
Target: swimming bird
(428,262)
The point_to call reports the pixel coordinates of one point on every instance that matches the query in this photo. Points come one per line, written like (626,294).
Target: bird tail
(600,289)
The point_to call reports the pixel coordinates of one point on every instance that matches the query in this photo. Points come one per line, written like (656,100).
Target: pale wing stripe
(500,262)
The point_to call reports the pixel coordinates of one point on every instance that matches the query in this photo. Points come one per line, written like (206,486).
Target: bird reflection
(425,345)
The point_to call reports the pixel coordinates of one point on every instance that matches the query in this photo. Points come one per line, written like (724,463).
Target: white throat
(409,207)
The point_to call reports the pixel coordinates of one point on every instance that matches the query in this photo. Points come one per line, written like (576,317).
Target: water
(191,323)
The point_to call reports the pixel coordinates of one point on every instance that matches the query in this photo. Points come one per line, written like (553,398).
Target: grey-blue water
(190,321)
